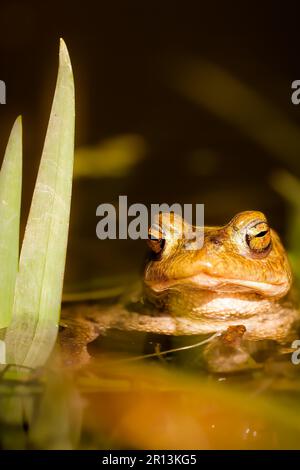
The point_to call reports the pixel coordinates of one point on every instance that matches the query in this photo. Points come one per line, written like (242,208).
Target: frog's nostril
(216,241)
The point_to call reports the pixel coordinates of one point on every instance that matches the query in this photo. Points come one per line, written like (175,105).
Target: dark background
(123,55)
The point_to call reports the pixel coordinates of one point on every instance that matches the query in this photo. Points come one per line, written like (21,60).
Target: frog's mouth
(203,281)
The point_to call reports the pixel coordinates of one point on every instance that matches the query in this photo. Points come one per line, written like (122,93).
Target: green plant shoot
(10,204)
(33,330)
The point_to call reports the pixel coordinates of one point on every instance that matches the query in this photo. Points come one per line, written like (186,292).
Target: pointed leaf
(33,331)
(10,203)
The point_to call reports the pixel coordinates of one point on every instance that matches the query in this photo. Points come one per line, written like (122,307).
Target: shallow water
(119,400)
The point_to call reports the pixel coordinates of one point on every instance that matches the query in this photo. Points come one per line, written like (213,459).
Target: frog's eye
(156,245)
(156,240)
(258,237)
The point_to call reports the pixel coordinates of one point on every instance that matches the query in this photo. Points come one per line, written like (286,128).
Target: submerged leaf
(32,333)
(115,157)
(10,203)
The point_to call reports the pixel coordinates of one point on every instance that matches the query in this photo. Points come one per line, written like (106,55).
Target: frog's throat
(180,300)
(206,282)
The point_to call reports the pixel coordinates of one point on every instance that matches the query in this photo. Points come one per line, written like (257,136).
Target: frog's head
(245,256)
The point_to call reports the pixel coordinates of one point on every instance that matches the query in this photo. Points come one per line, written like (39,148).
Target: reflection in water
(115,403)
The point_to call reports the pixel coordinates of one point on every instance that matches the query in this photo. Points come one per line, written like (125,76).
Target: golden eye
(155,239)
(258,237)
